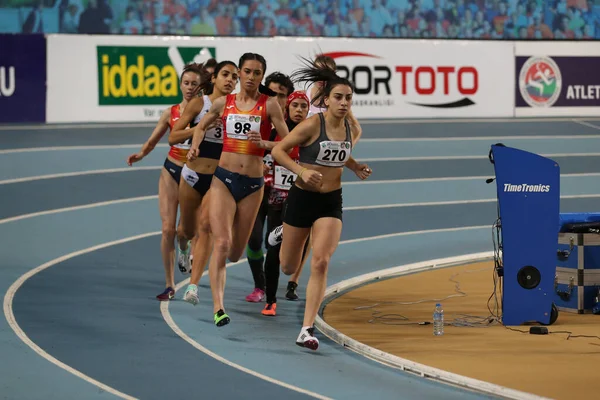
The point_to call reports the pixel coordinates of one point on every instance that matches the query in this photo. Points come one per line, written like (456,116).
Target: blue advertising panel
(22,78)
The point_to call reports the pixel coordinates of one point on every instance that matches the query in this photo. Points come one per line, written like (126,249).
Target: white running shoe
(191,295)
(183,258)
(307,338)
(276,236)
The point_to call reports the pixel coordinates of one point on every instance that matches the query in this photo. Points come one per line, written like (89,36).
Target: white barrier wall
(127,78)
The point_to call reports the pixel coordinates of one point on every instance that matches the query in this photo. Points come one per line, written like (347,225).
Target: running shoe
(276,236)
(183,258)
(221,319)
(307,339)
(291,291)
(270,310)
(256,296)
(167,295)
(191,295)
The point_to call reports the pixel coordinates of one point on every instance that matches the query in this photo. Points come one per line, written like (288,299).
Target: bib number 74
(284,178)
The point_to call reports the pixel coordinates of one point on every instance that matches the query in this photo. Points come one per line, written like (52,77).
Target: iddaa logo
(7,81)
(526,188)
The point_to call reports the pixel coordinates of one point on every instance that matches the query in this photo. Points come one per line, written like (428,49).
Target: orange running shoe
(270,310)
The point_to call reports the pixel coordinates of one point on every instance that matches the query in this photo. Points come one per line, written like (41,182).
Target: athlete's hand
(255,138)
(194,150)
(362,171)
(197,91)
(192,153)
(266,169)
(134,158)
(311,177)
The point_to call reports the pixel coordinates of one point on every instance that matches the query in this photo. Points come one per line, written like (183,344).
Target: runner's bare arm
(159,131)
(276,116)
(180,134)
(216,111)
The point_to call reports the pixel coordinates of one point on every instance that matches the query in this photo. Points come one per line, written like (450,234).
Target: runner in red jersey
(282,85)
(296,111)
(236,187)
(168,184)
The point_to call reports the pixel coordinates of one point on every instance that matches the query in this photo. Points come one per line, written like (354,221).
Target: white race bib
(268,161)
(284,178)
(334,154)
(238,125)
(214,135)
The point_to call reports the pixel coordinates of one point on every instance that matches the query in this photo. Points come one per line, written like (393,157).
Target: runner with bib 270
(314,202)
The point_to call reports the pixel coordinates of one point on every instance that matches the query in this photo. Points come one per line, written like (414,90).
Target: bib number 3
(214,135)
(239,125)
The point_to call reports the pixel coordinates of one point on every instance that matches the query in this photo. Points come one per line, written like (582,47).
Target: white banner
(129,78)
(557,79)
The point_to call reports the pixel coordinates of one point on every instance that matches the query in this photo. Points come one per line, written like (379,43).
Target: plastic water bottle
(438,320)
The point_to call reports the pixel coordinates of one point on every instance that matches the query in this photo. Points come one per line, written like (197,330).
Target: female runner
(282,85)
(296,111)
(326,141)
(171,173)
(197,174)
(236,190)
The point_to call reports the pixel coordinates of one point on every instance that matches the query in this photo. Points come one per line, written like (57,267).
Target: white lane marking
(450,178)
(70,148)
(586,124)
(77,173)
(164,308)
(362,121)
(12,322)
(363,140)
(75,208)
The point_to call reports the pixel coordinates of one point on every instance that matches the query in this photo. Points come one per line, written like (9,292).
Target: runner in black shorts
(326,141)
(296,111)
(282,85)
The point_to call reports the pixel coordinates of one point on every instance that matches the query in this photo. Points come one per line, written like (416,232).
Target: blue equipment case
(577,279)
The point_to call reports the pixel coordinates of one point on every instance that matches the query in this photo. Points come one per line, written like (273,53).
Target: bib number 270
(334,155)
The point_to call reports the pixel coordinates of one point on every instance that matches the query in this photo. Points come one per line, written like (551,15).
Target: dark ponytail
(262,89)
(314,72)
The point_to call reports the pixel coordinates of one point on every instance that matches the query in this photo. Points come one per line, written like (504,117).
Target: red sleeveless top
(238,123)
(178,151)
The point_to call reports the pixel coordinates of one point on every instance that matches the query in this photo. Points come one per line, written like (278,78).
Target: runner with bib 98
(236,189)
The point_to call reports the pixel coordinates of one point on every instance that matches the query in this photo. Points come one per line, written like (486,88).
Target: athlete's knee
(204,226)
(168,233)
(320,263)
(255,240)
(288,265)
(222,245)
(254,254)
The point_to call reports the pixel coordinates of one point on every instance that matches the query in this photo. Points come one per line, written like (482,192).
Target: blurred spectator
(70,21)
(132,24)
(96,18)
(481,19)
(34,23)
